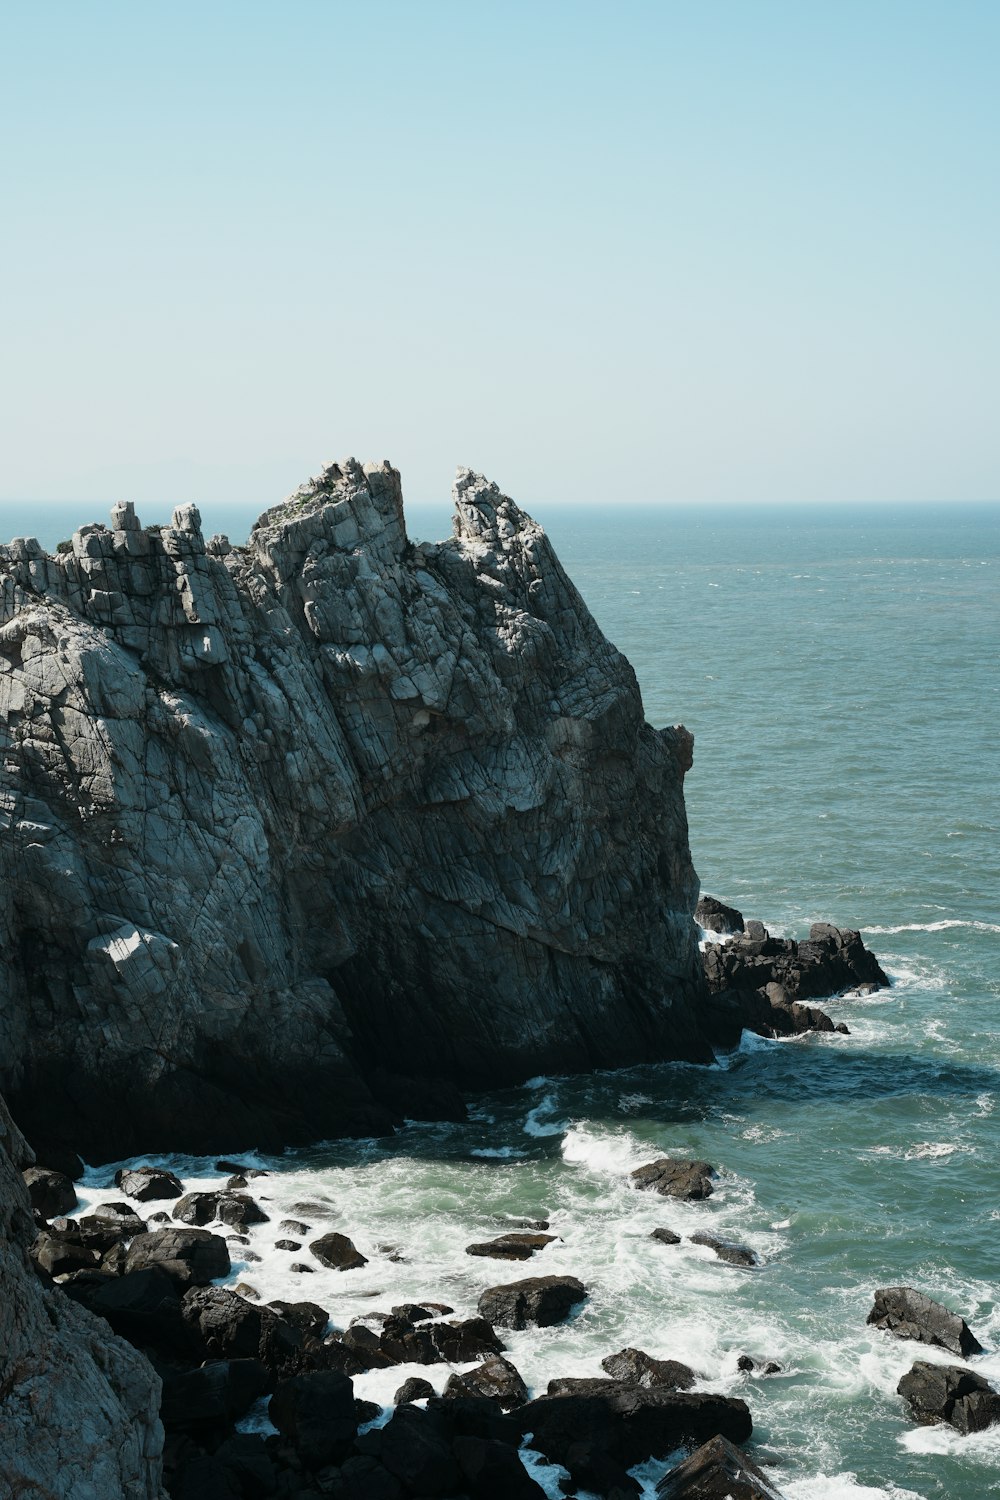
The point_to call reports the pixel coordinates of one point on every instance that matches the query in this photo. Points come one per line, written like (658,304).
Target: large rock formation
(78,1407)
(302,835)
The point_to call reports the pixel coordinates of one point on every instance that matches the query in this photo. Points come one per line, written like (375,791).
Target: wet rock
(733,1255)
(950,1393)
(244,1289)
(337,1253)
(761,1366)
(147,1184)
(637,1368)
(293,1227)
(51,1193)
(511,1223)
(831,961)
(665,1236)
(239,1211)
(366,1411)
(717,1471)
(197,1208)
(592,1469)
(308,1317)
(315,1412)
(539,1301)
(630,1423)
(910,1314)
(420,1312)
(189,1256)
(214,1395)
(413,1389)
(674,1178)
(714,915)
(416,1447)
(233,1328)
(363,1477)
(768,1012)
(517,1246)
(495,1378)
(301,1268)
(61,1254)
(493,1471)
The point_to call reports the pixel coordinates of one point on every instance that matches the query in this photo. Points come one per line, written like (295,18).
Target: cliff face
(79,1408)
(302,833)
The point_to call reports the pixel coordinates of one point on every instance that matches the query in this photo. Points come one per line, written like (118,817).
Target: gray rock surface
(305,835)
(78,1407)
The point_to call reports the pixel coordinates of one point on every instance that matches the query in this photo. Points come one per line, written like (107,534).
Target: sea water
(839,671)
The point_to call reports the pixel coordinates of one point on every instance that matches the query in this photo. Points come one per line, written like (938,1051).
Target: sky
(708,252)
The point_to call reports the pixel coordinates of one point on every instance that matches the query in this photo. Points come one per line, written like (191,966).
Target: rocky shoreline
(146,1264)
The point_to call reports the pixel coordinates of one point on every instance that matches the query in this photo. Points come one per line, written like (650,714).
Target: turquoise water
(839,671)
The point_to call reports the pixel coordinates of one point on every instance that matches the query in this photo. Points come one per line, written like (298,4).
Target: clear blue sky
(717,250)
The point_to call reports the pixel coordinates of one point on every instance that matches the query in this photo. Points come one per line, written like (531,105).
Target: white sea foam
(535,1122)
(843,1487)
(932,1149)
(941,926)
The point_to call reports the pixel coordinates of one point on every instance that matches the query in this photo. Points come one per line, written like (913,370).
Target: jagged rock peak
(483,513)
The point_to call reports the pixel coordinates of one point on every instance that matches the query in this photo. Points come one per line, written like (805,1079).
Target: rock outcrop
(306,835)
(78,1407)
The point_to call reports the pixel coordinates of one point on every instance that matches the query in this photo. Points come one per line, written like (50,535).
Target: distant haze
(606,253)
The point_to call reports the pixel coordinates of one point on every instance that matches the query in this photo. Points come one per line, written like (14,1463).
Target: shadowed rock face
(308,834)
(78,1407)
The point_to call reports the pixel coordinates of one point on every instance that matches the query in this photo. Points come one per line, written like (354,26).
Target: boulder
(829,962)
(293,1227)
(308,1317)
(591,1468)
(674,1178)
(197,1208)
(62,1254)
(212,1396)
(714,915)
(337,1253)
(413,1389)
(145,1308)
(240,1211)
(495,1377)
(539,1301)
(910,1314)
(665,1236)
(315,1412)
(733,1255)
(416,1446)
(950,1393)
(363,1477)
(637,1368)
(51,1193)
(491,1470)
(420,1312)
(147,1184)
(192,1257)
(465,1339)
(233,1328)
(717,1471)
(630,1423)
(517,1246)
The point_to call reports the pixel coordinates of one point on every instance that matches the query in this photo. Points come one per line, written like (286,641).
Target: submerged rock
(291,794)
(910,1314)
(518,1246)
(733,1255)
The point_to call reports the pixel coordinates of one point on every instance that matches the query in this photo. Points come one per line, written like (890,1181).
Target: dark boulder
(674,1178)
(145,1308)
(201,1476)
(909,1314)
(717,1471)
(631,1423)
(308,1317)
(830,961)
(416,1447)
(637,1368)
(768,1012)
(362,1477)
(761,1366)
(518,1246)
(315,1412)
(715,916)
(246,1458)
(293,1227)
(495,1378)
(289,1245)
(192,1257)
(665,1236)
(110,1223)
(733,1255)
(197,1208)
(60,1254)
(466,1339)
(413,1389)
(493,1471)
(146,1184)
(240,1211)
(51,1193)
(475,1416)
(337,1253)
(950,1393)
(420,1312)
(591,1468)
(233,1328)
(213,1395)
(539,1301)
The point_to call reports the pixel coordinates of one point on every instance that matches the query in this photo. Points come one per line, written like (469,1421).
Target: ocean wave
(536,1125)
(942,926)
(843,1487)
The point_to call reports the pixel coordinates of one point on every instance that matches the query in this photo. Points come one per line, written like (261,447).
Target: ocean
(839,670)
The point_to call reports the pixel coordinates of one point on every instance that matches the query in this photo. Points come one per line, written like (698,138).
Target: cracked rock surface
(303,836)
(79,1408)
